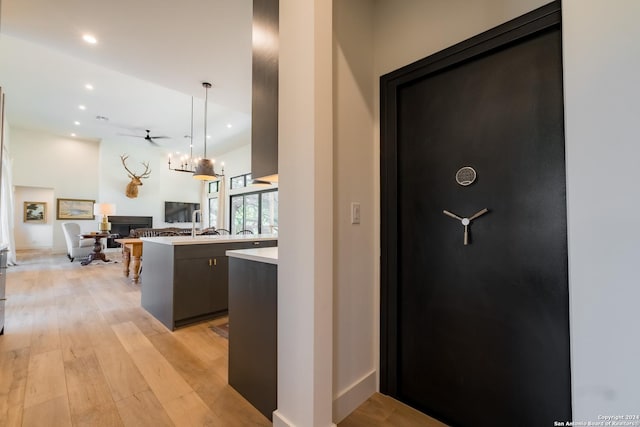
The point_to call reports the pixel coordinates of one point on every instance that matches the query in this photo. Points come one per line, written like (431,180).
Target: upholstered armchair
(76,247)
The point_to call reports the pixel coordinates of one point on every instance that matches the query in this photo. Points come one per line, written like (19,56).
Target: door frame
(541,19)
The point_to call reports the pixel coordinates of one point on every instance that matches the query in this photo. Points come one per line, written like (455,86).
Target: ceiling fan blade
(128,134)
(148,137)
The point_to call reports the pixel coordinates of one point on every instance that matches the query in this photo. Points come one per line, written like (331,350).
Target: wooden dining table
(131,248)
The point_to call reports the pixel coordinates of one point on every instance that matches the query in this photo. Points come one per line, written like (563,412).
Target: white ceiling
(151,57)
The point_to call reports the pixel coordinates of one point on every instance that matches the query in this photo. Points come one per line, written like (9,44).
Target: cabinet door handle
(210,263)
(215,261)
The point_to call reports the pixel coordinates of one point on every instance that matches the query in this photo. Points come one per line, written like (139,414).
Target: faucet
(193,223)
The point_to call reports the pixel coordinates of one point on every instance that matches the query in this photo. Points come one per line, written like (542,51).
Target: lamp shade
(204,171)
(260,183)
(104,208)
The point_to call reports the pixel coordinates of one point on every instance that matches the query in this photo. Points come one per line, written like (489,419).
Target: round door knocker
(466,176)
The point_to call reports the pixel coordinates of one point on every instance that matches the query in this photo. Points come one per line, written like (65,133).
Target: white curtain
(222,187)
(204,205)
(7,203)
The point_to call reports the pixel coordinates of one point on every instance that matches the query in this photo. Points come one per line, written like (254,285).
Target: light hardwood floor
(79,350)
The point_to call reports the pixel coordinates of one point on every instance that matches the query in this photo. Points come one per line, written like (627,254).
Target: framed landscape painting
(74,209)
(35,212)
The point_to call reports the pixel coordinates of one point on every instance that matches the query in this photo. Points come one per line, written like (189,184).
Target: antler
(124,159)
(144,174)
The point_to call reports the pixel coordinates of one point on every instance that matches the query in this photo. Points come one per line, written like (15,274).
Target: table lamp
(104,209)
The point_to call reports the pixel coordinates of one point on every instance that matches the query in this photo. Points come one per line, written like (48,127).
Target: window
(269,212)
(214,188)
(257,212)
(213,211)
(240,181)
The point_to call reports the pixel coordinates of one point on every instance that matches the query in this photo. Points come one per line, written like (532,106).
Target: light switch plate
(355,213)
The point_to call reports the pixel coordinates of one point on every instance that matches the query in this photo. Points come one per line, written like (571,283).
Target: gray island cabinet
(185,279)
(253,326)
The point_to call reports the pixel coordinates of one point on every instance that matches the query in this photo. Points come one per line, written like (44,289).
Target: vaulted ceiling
(149,60)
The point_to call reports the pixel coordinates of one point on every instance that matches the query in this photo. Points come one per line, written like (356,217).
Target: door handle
(466,221)
(210,262)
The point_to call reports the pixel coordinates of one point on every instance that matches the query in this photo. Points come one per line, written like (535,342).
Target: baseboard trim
(350,398)
(280,421)
(344,403)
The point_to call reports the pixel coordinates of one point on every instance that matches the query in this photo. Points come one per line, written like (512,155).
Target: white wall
(409,30)
(67,165)
(355,327)
(161,185)
(602,65)
(79,169)
(34,235)
(236,162)
(305,267)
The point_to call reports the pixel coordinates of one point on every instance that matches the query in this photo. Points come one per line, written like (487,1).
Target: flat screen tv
(179,211)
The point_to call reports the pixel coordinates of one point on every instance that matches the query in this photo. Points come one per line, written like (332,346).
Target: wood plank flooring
(79,350)
(382,411)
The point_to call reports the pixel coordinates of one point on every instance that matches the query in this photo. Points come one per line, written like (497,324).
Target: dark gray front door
(477,334)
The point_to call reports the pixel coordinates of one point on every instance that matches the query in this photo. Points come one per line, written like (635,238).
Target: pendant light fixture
(204,168)
(186,162)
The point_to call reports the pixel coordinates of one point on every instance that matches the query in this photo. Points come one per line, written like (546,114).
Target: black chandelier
(201,168)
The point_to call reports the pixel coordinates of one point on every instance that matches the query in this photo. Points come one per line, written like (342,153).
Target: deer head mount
(132,187)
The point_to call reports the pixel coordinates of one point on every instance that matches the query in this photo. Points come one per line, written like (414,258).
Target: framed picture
(35,212)
(74,209)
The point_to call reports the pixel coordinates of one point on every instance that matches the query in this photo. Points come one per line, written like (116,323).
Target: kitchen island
(253,326)
(185,279)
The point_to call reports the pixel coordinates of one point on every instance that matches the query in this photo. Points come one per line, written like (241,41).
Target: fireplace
(122,226)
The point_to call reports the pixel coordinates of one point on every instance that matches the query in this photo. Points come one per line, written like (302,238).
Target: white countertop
(205,240)
(266,255)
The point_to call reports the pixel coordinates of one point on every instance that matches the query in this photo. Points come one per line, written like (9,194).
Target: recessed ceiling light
(77,123)
(82,107)
(229,125)
(73,134)
(208,136)
(89,39)
(88,86)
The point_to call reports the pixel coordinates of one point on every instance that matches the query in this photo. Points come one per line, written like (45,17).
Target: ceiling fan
(148,137)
